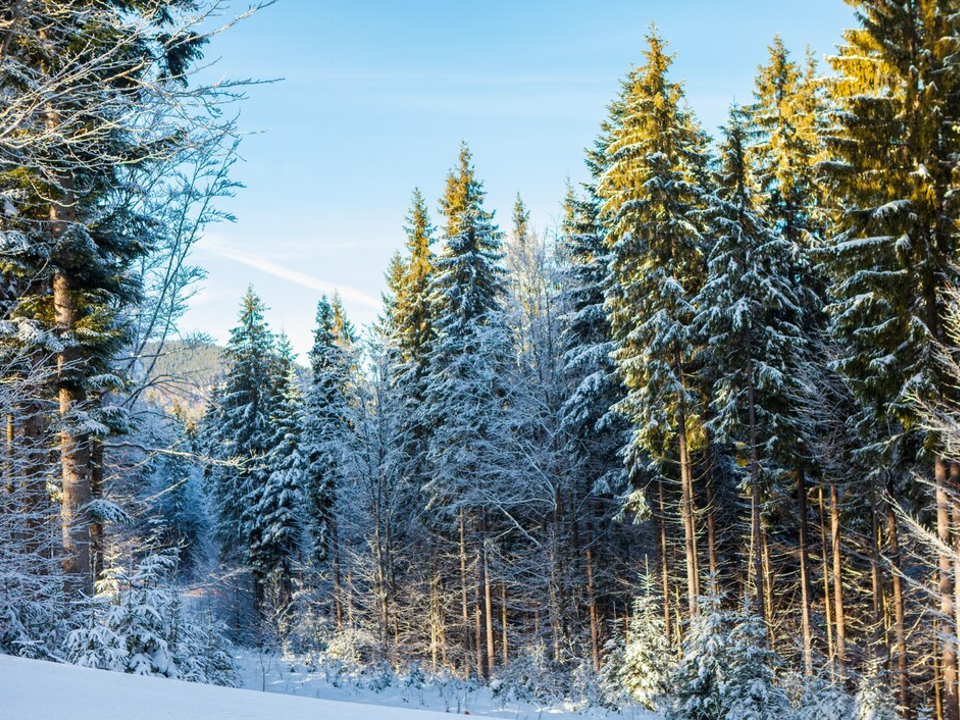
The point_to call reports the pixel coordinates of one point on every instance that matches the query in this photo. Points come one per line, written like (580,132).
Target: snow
(51,691)
(279,675)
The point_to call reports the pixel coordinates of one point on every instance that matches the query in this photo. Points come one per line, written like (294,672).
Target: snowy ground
(277,675)
(31,689)
(35,690)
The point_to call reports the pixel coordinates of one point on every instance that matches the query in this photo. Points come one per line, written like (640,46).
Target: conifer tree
(325,423)
(87,118)
(646,669)
(892,173)
(274,508)
(751,317)
(466,386)
(238,429)
(726,670)
(651,196)
(412,326)
(587,346)
(704,670)
(785,123)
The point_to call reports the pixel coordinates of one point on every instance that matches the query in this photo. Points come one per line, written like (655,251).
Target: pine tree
(412,328)
(466,386)
(274,508)
(325,424)
(177,493)
(91,118)
(238,430)
(646,669)
(873,700)
(726,670)
(588,346)
(753,692)
(592,435)
(821,699)
(785,124)
(892,254)
(652,195)
(749,312)
(704,671)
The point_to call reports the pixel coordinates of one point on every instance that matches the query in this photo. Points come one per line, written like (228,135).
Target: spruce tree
(751,317)
(238,431)
(468,364)
(325,421)
(785,124)
(892,254)
(598,433)
(646,669)
(412,329)
(88,119)
(651,198)
(273,509)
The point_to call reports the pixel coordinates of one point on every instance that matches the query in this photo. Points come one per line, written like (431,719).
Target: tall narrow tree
(651,198)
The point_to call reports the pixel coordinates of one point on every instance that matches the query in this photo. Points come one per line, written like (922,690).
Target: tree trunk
(689,528)
(937,684)
(478,630)
(592,607)
(335,561)
(96,527)
(711,530)
(825,571)
(899,622)
(434,619)
(74,444)
(465,604)
(664,560)
(505,645)
(805,593)
(487,593)
(948,659)
(876,585)
(837,579)
(755,501)
(687,509)
(35,496)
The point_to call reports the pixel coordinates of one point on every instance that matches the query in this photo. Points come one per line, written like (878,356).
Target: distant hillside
(184,373)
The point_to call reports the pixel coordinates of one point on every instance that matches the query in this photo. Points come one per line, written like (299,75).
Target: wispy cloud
(217,246)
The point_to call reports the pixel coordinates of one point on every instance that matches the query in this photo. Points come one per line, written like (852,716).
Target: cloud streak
(258,262)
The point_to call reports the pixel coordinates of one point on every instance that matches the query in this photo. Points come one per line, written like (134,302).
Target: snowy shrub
(308,629)
(452,690)
(646,664)
(823,700)
(874,701)
(532,676)
(137,624)
(31,612)
(611,693)
(753,692)
(413,683)
(333,670)
(377,677)
(355,647)
(727,672)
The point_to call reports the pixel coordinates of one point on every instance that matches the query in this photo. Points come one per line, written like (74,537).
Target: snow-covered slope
(35,690)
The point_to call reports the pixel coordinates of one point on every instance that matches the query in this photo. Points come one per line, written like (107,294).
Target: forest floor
(274,674)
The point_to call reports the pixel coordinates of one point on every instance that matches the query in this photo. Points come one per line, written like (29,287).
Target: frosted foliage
(137,624)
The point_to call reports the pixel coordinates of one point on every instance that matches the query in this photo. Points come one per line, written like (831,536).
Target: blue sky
(375,98)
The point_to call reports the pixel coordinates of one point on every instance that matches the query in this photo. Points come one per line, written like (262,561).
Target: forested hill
(184,373)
